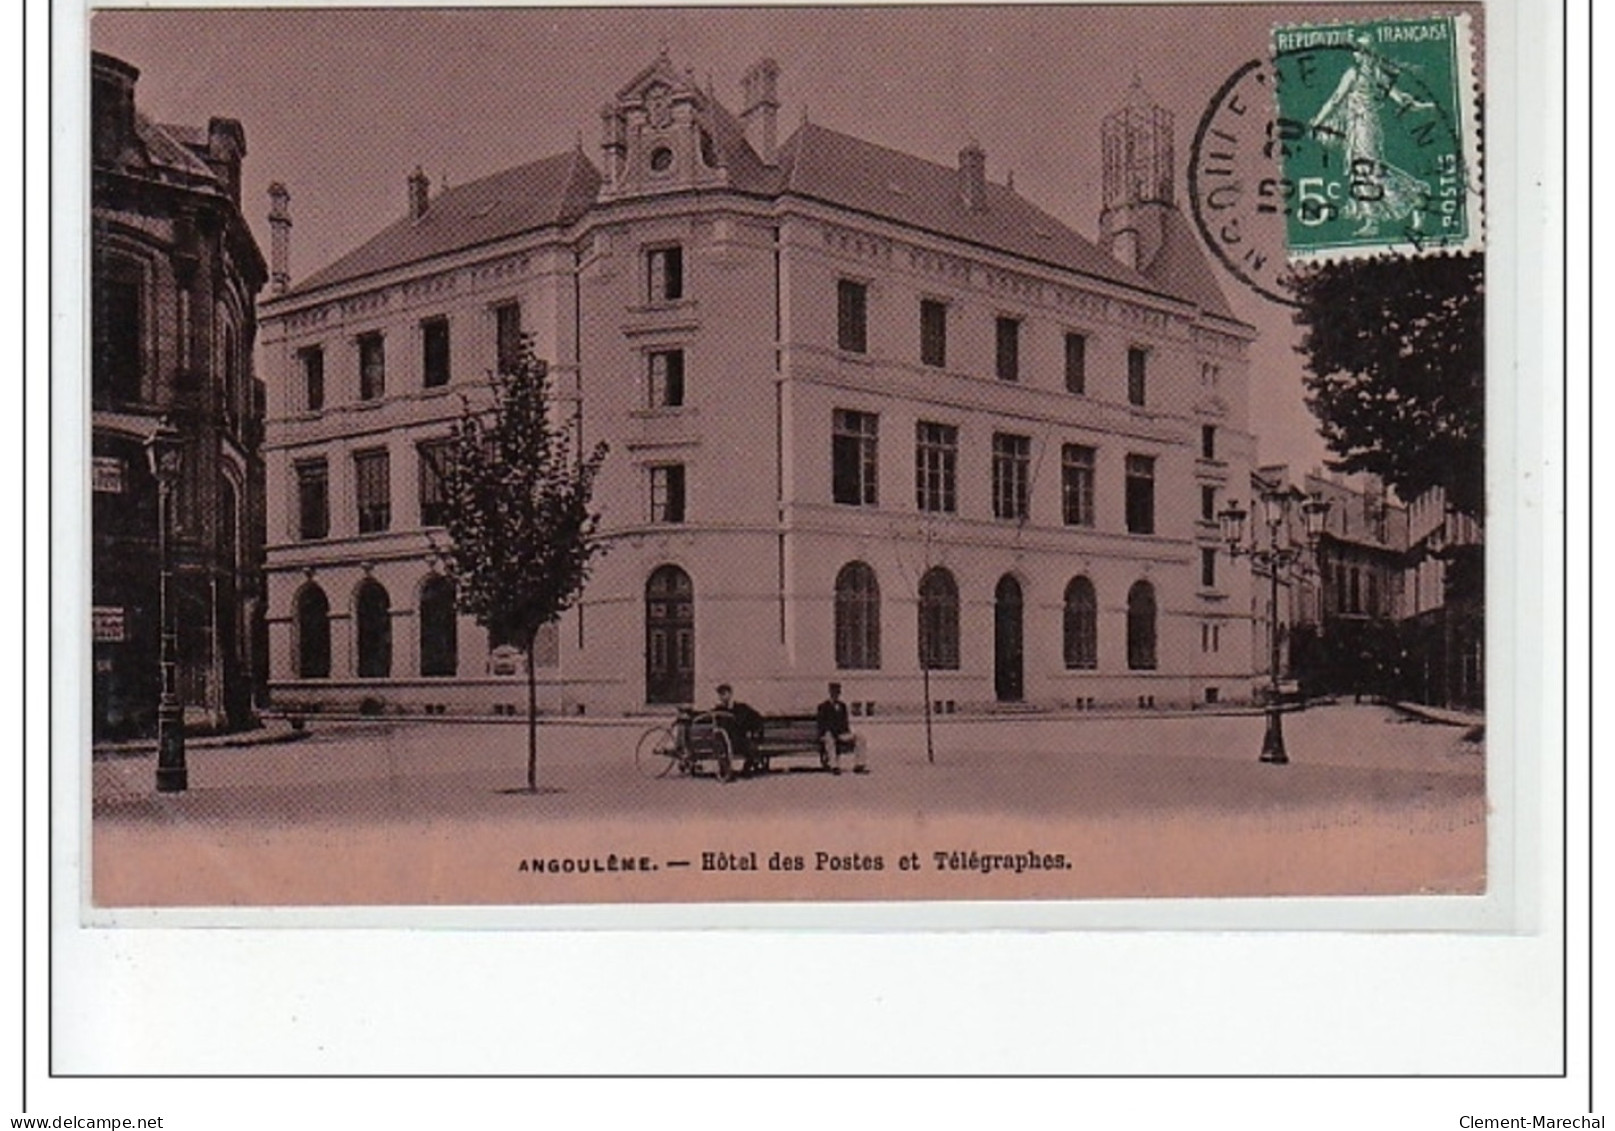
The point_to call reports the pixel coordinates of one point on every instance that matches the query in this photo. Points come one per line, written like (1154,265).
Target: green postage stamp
(1378,133)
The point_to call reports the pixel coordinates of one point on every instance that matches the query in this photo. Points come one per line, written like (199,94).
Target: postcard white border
(902,998)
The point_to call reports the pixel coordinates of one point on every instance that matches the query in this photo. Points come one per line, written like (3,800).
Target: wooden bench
(789,735)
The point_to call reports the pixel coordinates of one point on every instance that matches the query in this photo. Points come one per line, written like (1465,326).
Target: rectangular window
(936,461)
(373,490)
(1208,441)
(1008,365)
(372,367)
(1076,484)
(1076,363)
(852,316)
(666,378)
(933,332)
(312,361)
(118,364)
(667,493)
(1208,567)
(1012,464)
(1140,494)
(435,352)
(313,500)
(1137,365)
(664,274)
(434,459)
(507,323)
(1208,503)
(854,457)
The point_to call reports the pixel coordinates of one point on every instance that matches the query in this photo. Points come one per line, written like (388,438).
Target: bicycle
(683,745)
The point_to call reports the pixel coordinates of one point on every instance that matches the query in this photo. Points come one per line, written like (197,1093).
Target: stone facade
(174,278)
(861,407)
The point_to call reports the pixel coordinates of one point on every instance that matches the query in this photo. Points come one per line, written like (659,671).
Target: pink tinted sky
(340,105)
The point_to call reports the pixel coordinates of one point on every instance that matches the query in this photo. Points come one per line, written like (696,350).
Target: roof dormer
(659,135)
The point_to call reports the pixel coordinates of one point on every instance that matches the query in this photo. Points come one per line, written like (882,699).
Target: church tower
(1139,179)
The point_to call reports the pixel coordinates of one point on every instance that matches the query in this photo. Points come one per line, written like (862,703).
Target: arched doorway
(440,645)
(313,633)
(1141,627)
(1009,676)
(669,636)
(373,610)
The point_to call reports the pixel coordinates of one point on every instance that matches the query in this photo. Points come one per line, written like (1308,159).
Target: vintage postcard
(972,457)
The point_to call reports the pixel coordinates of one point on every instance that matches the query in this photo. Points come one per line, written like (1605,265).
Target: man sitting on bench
(742,724)
(836,733)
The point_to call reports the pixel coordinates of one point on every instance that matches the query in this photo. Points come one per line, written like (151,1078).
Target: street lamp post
(1278,553)
(165,451)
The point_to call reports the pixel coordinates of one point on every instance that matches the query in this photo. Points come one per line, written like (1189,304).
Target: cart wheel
(724,755)
(658,752)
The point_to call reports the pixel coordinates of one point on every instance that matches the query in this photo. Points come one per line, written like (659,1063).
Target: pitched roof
(840,169)
(550,191)
(1181,268)
(815,163)
(166,151)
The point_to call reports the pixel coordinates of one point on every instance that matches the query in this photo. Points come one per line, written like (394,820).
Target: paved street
(1173,805)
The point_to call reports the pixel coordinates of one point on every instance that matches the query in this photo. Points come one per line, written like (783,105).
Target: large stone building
(174,276)
(867,412)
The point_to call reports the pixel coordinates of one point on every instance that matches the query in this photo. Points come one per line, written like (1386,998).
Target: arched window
(1081,624)
(1141,626)
(440,646)
(313,633)
(857,617)
(939,620)
(375,623)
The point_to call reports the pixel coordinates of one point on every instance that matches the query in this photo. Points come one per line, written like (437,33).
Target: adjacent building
(173,280)
(1444,588)
(872,418)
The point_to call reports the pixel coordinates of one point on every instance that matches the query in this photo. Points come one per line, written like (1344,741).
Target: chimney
(760,108)
(973,177)
(420,193)
(613,141)
(226,146)
(112,105)
(280,239)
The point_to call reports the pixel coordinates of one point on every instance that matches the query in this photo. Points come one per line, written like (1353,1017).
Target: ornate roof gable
(662,133)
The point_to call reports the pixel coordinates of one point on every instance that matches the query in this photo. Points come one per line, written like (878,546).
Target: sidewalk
(1448,715)
(273,731)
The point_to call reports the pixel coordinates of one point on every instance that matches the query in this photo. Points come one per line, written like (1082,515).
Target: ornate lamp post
(1278,552)
(165,451)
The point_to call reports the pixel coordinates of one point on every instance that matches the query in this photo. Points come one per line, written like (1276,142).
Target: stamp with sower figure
(1351,140)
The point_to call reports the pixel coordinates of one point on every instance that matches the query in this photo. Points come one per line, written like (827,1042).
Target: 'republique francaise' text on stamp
(1378,137)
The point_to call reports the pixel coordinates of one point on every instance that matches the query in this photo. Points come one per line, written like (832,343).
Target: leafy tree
(520,529)
(1397,357)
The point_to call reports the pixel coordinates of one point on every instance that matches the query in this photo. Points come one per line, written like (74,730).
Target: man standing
(836,735)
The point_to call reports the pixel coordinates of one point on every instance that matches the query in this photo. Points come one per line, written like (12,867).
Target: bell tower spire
(1139,177)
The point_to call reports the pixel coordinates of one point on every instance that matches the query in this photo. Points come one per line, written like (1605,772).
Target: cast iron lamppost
(1278,553)
(165,450)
